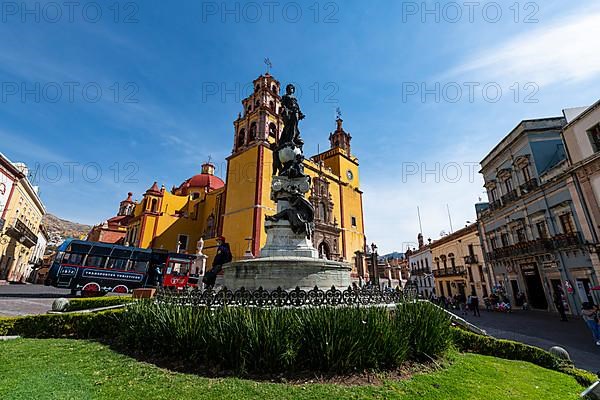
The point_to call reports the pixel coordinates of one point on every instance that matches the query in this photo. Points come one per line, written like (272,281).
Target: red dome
(201,181)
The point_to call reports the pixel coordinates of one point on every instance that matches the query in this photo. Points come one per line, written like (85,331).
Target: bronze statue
(291,114)
(300,215)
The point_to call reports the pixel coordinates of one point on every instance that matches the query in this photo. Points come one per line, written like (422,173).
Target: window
(566,223)
(494,194)
(252,132)
(353,221)
(241,137)
(526,174)
(272,130)
(182,242)
(195,196)
(542,230)
(504,239)
(73,258)
(493,242)
(509,185)
(521,236)
(594,135)
(95,261)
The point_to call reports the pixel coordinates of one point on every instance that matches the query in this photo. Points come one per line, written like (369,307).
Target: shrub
(81,326)
(428,328)
(97,302)
(327,339)
(487,345)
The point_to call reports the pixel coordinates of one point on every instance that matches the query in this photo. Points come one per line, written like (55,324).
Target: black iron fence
(283,298)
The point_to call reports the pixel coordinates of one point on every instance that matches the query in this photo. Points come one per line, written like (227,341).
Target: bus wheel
(91,289)
(122,289)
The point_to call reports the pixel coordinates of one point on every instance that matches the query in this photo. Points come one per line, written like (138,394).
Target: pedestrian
(475,305)
(590,314)
(560,305)
(223,256)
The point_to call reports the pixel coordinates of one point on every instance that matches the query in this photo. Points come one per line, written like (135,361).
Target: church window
(154,205)
(272,130)
(353,221)
(257,104)
(182,242)
(195,196)
(241,138)
(252,132)
(272,106)
(274,89)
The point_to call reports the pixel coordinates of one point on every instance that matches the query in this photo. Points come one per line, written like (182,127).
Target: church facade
(205,206)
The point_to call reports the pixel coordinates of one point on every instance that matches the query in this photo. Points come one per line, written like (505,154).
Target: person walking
(475,305)
(560,305)
(590,314)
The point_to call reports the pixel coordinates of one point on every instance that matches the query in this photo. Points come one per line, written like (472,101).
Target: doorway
(535,289)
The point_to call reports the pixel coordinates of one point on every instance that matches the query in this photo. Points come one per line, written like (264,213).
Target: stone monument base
(283,242)
(287,272)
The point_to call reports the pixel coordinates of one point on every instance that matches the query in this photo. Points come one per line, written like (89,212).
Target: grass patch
(74,369)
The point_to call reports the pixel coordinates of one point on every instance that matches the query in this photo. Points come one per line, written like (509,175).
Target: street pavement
(19,299)
(545,330)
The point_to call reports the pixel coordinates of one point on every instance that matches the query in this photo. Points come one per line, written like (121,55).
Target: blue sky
(157,117)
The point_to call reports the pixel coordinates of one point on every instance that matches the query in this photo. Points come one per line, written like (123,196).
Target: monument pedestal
(283,242)
(287,273)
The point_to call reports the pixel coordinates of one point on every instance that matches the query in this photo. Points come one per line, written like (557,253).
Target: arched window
(272,106)
(257,104)
(241,138)
(252,135)
(153,205)
(324,251)
(274,89)
(272,130)
(452,260)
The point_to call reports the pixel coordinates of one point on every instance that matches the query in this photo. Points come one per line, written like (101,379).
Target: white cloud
(562,51)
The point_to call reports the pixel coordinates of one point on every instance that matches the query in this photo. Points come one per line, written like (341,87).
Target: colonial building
(582,140)
(21,212)
(420,261)
(532,228)
(206,206)
(458,264)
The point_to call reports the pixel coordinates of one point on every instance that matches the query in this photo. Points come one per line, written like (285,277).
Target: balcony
(471,259)
(450,272)
(495,205)
(529,186)
(21,232)
(567,240)
(538,246)
(510,197)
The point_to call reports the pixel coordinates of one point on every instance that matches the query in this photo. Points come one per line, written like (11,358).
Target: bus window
(178,268)
(73,258)
(140,266)
(95,261)
(117,263)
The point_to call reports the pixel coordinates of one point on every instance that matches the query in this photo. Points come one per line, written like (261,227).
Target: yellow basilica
(205,206)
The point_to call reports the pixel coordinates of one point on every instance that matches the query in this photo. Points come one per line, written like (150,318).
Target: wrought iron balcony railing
(529,186)
(538,246)
(510,197)
(21,232)
(449,272)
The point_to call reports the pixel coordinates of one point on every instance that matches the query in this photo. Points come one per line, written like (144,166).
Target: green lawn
(73,369)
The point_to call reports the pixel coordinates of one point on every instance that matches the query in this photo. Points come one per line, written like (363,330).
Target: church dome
(204,180)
